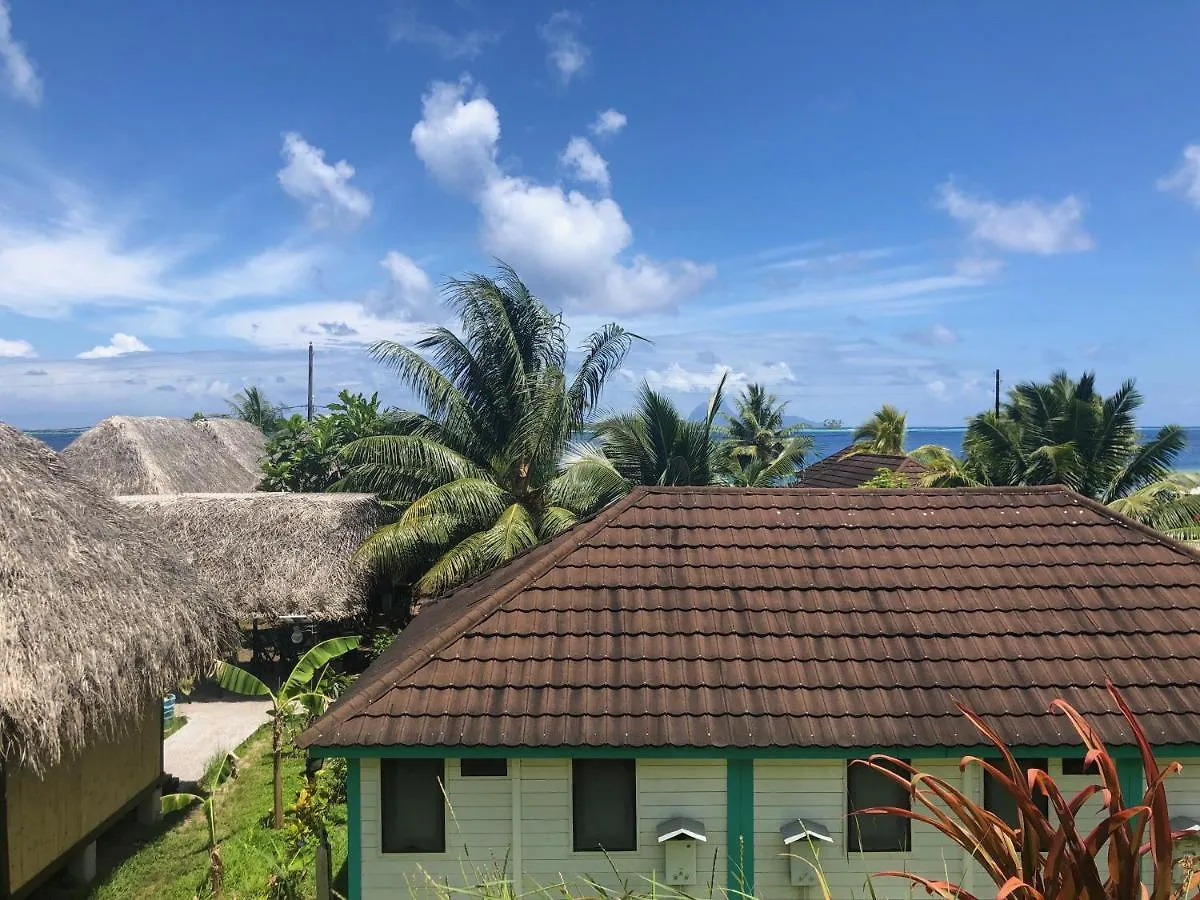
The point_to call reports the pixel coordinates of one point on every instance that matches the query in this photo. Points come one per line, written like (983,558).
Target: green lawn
(177,722)
(173,864)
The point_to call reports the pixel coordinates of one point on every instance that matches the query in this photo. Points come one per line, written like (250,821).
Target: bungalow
(159,455)
(98,619)
(853,467)
(675,689)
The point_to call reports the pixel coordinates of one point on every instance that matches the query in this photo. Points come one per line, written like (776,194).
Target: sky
(853,204)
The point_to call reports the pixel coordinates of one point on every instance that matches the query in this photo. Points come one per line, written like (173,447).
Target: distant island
(701,411)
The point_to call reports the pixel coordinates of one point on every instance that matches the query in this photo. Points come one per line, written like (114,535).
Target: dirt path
(213,726)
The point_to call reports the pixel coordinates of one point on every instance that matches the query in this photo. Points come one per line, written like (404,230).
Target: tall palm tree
(756,431)
(1065,432)
(251,405)
(653,444)
(477,474)
(883,432)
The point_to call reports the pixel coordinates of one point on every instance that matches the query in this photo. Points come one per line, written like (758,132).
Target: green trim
(560,752)
(739,810)
(1129,777)
(354,830)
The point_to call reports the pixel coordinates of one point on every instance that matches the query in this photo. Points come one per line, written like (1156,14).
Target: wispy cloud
(324,188)
(1185,181)
(584,163)
(608,122)
(409,28)
(1022,226)
(565,51)
(120,345)
(20,76)
(936,335)
(830,263)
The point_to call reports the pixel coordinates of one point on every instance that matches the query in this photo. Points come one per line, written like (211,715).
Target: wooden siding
(479,833)
(47,816)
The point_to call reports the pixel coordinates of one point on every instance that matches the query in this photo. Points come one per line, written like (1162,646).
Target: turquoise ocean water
(825,441)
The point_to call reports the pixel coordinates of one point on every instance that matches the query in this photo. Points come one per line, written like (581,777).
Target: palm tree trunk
(277,768)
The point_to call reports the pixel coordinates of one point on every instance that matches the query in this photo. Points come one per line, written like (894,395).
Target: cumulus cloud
(608,122)
(677,378)
(1023,226)
(584,163)
(1185,181)
(937,335)
(20,76)
(565,52)
(409,292)
(325,189)
(120,345)
(569,245)
(16,349)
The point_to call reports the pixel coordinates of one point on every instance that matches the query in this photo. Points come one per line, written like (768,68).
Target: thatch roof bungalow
(98,619)
(158,455)
(272,554)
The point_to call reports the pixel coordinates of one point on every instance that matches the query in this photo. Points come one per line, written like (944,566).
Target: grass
(177,722)
(173,863)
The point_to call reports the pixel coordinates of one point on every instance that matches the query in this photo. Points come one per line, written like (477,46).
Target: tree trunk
(277,769)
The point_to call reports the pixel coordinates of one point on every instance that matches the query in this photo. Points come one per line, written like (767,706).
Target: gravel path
(213,726)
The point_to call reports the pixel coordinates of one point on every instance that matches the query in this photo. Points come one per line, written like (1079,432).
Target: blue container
(168,710)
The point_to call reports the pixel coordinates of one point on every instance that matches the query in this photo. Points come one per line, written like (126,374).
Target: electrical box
(803,870)
(679,837)
(802,839)
(681,862)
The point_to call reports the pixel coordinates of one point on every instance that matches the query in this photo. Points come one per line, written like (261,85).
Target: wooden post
(997,393)
(310,381)
(324,867)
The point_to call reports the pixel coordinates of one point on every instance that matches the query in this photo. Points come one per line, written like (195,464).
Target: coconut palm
(1170,505)
(883,432)
(756,431)
(772,471)
(1065,432)
(251,405)
(477,474)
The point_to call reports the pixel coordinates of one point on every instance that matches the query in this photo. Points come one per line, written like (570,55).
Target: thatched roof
(97,614)
(157,455)
(272,554)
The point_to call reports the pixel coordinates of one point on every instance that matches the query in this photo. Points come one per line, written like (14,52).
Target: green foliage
(251,405)
(883,432)
(831,423)
(1046,857)
(757,449)
(306,456)
(477,473)
(887,478)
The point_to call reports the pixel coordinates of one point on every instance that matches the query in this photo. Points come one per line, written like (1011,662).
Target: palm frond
(513,532)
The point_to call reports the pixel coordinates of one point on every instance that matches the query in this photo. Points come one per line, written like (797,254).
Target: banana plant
(172,803)
(299,693)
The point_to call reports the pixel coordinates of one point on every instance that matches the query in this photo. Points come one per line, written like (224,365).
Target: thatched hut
(157,455)
(272,554)
(98,619)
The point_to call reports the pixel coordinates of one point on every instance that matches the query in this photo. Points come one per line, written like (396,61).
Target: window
(1000,802)
(604,804)
(413,805)
(1073,765)
(876,833)
(483,767)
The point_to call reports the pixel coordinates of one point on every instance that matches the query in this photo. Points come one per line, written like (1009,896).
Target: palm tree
(251,405)
(772,471)
(651,445)
(883,432)
(477,475)
(757,432)
(1065,432)
(1170,505)
(300,692)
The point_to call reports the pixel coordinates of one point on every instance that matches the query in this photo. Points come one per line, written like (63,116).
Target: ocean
(825,441)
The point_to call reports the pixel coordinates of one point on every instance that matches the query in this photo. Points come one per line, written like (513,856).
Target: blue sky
(854,203)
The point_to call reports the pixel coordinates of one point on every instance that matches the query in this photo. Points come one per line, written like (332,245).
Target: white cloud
(324,324)
(20,75)
(564,50)
(409,28)
(16,349)
(937,387)
(568,245)
(409,291)
(937,335)
(1023,226)
(676,378)
(54,261)
(584,163)
(325,189)
(981,267)
(608,122)
(1185,181)
(120,345)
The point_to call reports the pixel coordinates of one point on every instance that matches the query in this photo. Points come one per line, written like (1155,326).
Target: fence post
(324,867)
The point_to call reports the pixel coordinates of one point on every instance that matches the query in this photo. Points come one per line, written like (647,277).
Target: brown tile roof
(846,468)
(724,617)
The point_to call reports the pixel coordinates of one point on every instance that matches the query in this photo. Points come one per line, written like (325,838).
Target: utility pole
(997,392)
(310,381)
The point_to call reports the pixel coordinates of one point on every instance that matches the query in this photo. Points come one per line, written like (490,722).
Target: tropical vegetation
(758,448)
(477,475)
(251,405)
(884,432)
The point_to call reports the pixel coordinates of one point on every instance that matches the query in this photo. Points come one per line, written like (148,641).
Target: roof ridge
(423,653)
(1187,550)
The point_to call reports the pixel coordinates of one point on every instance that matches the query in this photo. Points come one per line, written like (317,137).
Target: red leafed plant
(1043,859)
